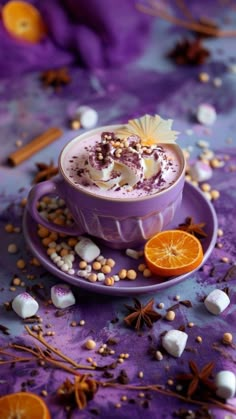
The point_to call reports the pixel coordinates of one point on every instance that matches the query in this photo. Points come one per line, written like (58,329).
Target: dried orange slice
(173,253)
(23,21)
(23,405)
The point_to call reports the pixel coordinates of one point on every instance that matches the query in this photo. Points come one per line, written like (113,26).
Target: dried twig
(184,9)
(41,339)
(161,390)
(154,10)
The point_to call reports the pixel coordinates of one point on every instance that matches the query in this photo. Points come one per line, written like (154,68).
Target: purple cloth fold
(90,33)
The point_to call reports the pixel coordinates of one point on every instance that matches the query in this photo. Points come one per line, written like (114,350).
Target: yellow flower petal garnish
(151,129)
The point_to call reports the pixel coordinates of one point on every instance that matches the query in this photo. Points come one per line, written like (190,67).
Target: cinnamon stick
(34,146)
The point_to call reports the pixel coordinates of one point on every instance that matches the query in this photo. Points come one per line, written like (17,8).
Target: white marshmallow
(65,267)
(71,271)
(62,296)
(225,384)
(88,117)
(83,273)
(25,305)
(203,144)
(87,249)
(206,114)
(216,301)
(134,254)
(217,82)
(200,171)
(88,268)
(53,256)
(60,263)
(232,68)
(67,260)
(101,276)
(174,342)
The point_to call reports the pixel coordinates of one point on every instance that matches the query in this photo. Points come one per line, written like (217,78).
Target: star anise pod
(189,52)
(140,315)
(198,380)
(78,393)
(193,228)
(55,78)
(45,172)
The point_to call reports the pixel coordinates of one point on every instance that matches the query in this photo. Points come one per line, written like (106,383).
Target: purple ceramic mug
(118,223)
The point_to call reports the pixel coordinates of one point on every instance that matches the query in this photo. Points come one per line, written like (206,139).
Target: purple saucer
(194,204)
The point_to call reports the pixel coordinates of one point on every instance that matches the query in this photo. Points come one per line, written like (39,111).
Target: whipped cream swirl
(114,163)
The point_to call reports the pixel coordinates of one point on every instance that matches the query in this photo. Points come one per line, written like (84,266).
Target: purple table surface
(151,85)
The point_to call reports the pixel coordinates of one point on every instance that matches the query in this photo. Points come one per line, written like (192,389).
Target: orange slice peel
(173,253)
(23,405)
(23,21)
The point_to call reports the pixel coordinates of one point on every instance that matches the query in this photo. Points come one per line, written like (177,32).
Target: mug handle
(37,192)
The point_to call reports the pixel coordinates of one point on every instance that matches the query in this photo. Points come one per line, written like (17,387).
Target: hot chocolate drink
(121,168)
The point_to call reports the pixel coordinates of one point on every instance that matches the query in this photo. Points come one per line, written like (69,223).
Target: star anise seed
(189,52)
(80,392)
(198,380)
(192,228)
(140,315)
(45,172)
(55,78)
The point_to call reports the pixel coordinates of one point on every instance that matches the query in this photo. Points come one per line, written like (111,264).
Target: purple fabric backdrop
(91,33)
